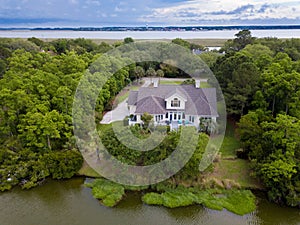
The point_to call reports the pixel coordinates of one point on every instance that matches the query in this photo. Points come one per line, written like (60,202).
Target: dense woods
(38,83)
(260,79)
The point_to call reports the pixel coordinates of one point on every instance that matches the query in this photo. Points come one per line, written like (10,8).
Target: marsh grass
(240,202)
(108,192)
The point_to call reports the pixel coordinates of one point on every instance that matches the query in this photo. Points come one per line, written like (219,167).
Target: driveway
(118,114)
(147,82)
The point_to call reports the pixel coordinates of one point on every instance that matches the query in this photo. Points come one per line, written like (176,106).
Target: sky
(77,13)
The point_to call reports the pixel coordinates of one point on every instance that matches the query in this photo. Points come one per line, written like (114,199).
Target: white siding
(132,109)
(138,119)
(169,100)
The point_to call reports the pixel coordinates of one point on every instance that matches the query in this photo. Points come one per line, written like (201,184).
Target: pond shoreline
(69,202)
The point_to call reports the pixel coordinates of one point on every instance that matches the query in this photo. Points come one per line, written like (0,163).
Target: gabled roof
(176,91)
(200,101)
(151,104)
(132,99)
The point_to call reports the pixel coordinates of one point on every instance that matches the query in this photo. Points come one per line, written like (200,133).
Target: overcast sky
(37,13)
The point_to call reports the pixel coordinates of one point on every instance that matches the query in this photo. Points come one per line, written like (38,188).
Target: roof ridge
(157,103)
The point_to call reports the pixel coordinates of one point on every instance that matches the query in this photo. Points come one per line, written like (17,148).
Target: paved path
(121,111)
(147,82)
(118,114)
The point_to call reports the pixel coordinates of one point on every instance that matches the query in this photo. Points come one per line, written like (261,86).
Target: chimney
(155,82)
(197,83)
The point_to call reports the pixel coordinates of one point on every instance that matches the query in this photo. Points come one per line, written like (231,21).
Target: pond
(71,203)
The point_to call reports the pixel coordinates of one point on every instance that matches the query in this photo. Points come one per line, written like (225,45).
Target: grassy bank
(87,171)
(240,202)
(107,192)
(229,171)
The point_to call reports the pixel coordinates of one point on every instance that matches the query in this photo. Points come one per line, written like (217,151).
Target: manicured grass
(205,85)
(170,82)
(122,97)
(230,143)
(125,93)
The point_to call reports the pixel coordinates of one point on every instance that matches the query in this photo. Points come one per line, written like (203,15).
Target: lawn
(125,93)
(229,168)
(170,82)
(205,85)
(237,170)
(230,143)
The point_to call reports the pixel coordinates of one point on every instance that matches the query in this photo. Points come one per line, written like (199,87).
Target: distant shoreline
(159,28)
(218,36)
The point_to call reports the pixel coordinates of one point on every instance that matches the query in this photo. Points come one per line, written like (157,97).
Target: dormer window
(175,102)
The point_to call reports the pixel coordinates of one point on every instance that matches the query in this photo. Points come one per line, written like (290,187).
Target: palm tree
(160,73)
(139,72)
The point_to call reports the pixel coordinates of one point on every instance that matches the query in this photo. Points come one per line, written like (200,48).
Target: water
(118,35)
(70,203)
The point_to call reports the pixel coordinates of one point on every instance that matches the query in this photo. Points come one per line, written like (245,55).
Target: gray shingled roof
(152,100)
(175,91)
(132,99)
(152,105)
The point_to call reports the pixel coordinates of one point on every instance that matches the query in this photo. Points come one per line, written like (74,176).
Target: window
(159,118)
(167,115)
(175,102)
(192,119)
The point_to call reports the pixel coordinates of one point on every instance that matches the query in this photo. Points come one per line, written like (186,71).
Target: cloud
(158,12)
(93,2)
(239,10)
(226,11)
(75,2)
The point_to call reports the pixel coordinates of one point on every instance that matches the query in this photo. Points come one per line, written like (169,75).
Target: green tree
(182,43)
(139,72)
(243,38)
(146,118)
(128,40)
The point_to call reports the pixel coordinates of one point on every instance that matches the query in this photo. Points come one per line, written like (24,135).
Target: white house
(173,104)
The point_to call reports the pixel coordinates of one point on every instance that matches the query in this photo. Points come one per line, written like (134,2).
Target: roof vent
(197,83)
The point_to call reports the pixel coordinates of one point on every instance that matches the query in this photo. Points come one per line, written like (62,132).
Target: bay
(119,35)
